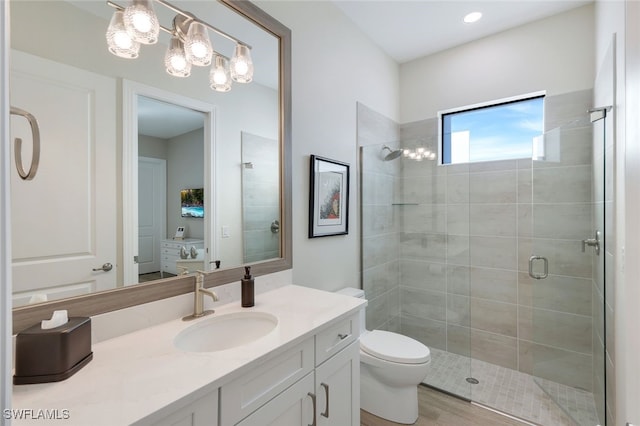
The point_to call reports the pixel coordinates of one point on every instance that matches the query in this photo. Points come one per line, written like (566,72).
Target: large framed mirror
(133,158)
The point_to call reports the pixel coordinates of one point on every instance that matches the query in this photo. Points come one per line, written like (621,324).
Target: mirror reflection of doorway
(152,214)
(170,158)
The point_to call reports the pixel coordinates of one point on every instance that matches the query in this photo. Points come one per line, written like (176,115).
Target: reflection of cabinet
(170,252)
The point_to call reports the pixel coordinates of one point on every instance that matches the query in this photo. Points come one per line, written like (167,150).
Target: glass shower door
(562,275)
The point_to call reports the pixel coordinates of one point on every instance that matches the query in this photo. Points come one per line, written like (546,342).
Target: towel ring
(35,154)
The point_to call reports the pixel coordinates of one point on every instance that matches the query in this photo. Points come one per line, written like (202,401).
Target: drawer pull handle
(326,392)
(343,336)
(313,400)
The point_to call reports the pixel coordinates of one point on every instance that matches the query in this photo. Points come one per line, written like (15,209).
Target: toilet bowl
(391,367)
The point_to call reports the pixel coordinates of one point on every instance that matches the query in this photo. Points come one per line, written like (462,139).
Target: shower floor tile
(510,391)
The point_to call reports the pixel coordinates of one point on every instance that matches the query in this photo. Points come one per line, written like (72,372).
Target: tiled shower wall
(463,235)
(379,232)
(260,197)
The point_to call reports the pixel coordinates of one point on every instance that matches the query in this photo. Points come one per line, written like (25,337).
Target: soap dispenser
(247,287)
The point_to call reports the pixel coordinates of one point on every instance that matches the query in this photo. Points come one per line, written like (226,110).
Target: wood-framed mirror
(124,294)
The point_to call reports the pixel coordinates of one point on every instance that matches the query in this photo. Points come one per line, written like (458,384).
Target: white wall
(334,66)
(621,18)
(513,62)
(629,335)
(5,223)
(185,170)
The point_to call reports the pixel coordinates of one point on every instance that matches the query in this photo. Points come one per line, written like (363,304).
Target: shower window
(500,130)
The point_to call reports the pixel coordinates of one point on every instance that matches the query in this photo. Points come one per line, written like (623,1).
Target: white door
(152,206)
(75,183)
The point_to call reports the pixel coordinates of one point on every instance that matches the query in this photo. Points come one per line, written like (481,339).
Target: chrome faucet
(198,298)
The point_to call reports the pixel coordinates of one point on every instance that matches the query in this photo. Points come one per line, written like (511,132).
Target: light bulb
(242,65)
(141,21)
(118,39)
(197,45)
(175,60)
(219,77)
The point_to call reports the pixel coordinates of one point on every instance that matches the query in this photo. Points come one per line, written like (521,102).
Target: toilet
(391,367)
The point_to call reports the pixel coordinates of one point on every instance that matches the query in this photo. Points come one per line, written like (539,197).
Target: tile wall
(260,197)
(379,225)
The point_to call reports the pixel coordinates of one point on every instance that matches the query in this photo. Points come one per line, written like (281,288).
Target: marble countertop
(137,374)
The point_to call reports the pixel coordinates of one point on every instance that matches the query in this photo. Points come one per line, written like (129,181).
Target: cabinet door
(338,388)
(202,412)
(293,407)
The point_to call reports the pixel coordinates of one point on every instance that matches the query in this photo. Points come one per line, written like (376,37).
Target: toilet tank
(359,293)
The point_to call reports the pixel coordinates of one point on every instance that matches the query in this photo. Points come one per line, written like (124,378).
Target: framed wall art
(328,198)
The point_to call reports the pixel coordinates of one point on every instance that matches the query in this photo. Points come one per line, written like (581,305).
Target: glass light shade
(242,65)
(175,60)
(219,76)
(197,45)
(141,21)
(118,39)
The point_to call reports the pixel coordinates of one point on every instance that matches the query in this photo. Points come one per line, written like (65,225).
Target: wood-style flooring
(439,409)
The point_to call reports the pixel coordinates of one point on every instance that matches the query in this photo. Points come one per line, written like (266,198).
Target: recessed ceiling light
(472,17)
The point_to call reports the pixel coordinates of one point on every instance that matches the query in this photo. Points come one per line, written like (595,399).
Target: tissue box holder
(52,355)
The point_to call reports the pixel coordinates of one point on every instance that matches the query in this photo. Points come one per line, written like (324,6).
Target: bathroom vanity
(304,371)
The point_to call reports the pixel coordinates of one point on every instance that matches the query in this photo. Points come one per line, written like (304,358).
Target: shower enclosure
(497,266)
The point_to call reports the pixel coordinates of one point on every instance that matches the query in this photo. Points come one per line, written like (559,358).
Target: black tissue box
(52,355)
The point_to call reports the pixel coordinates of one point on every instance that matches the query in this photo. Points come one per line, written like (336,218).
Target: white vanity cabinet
(202,412)
(338,388)
(170,253)
(322,374)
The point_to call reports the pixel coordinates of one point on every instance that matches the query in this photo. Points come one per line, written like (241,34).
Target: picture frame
(328,197)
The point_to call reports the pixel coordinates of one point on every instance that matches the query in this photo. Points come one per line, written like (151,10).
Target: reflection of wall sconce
(418,154)
(190,45)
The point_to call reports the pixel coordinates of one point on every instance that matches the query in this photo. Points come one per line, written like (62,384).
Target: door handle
(313,400)
(592,242)
(326,393)
(545,274)
(104,268)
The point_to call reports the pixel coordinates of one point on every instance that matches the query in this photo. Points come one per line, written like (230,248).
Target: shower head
(393,153)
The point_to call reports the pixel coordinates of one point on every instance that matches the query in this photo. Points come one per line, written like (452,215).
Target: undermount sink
(225,331)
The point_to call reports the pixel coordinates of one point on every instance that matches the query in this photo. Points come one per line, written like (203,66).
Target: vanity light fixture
(219,77)
(141,21)
(175,60)
(118,39)
(242,65)
(189,45)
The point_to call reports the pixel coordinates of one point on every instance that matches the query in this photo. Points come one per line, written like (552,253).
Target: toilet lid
(394,347)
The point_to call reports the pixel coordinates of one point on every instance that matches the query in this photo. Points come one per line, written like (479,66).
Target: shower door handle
(545,262)
(592,242)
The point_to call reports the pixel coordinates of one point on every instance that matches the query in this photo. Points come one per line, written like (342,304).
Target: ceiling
(165,121)
(407,30)
(404,29)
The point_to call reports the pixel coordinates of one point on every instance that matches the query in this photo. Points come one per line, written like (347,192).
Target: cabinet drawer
(337,337)
(249,392)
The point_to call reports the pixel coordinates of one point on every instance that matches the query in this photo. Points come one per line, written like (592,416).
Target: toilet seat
(394,347)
